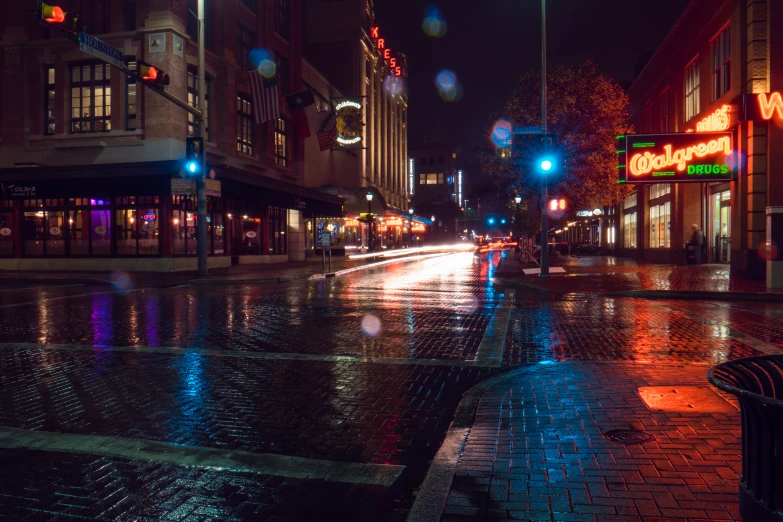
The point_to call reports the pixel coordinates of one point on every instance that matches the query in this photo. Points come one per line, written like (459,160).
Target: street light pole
(370,222)
(201,195)
(544,242)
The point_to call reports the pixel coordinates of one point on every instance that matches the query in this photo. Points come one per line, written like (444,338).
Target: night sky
(489,41)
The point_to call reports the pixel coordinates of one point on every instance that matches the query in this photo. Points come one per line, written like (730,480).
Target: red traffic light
(148,73)
(52,14)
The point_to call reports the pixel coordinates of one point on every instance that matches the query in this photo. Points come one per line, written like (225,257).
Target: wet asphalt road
(366,369)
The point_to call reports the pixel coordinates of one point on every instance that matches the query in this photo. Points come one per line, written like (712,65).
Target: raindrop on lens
(501,133)
(121,282)
(371,325)
(434,24)
(264,61)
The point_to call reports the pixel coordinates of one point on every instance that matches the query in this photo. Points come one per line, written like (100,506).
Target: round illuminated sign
(5,232)
(55,231)
(100,230)
(251,234)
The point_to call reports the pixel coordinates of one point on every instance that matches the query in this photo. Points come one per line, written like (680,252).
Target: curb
(219,282)
(50,281)
(655,294)
(434,491)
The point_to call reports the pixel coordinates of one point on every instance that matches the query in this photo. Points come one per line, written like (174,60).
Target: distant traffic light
(194,155)
(491,221)
(546,165)
(153,76)
(503,221)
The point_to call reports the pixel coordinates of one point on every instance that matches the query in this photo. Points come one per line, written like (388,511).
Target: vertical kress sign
(675,158)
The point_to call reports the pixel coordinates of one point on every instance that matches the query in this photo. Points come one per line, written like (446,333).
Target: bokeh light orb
(501,133)
(434,24)
(768,251)
(371,325)
(393,85)
(446,80)
(737,159)
(121,282)
(264,61)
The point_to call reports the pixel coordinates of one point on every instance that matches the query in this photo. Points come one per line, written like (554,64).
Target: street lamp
(370,222)
(517,200)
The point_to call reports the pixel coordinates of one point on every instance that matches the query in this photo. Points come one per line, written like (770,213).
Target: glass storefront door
(720,242)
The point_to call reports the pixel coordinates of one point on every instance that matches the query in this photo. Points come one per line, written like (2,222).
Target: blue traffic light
(192,167)
(546,165)
(503,221)
(491,221)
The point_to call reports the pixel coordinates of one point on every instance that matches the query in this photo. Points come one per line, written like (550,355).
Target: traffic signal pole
(544,242)
(201,230)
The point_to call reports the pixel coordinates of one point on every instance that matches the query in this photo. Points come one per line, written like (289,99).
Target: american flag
(265,96)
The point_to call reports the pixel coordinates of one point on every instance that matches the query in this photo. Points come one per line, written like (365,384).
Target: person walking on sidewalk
(697,240)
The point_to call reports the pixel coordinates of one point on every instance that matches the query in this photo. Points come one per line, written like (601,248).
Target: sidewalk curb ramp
(434,491)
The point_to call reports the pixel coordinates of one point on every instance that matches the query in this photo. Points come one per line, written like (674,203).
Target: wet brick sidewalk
(537,450)
(599,274)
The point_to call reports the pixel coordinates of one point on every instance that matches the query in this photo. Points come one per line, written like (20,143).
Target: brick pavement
(613,274)
(537,450)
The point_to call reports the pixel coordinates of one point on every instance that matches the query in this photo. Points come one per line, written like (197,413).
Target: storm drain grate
(627,436)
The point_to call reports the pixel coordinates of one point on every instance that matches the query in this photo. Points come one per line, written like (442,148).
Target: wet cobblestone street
(301,378)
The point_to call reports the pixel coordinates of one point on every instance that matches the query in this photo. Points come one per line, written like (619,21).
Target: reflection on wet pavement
(349,411)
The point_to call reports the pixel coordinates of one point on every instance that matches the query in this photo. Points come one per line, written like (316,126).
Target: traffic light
(491,221)
(55,16)
(194,155)
(548,158)
(153,76)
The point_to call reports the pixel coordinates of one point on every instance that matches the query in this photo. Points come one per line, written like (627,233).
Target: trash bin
(758,384)
(690,254)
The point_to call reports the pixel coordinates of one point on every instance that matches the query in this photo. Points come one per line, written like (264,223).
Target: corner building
(348,58)
(719,69)
(90,161)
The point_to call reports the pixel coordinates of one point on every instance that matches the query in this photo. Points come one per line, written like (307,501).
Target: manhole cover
(629,436)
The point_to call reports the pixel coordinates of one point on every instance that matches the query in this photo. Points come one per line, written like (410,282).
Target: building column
(296,236)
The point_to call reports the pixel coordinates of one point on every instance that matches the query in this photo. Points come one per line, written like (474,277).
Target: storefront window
(277,224)
(251,236)
(660,225)
(216,234)
(33,232)
(629,230)
(125,232)
(100,228)
(6,233)
(148,235)
(55,233)
(78,230)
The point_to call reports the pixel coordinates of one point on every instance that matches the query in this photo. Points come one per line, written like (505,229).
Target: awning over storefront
(154,179)
(241,185)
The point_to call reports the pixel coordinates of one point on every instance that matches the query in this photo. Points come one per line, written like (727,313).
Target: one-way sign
(100,49)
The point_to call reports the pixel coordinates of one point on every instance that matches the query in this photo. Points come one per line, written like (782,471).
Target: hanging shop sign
(418,227)
(675,158)
(589,213)
(212,188)
(720,120)
(350,122)
(149,216)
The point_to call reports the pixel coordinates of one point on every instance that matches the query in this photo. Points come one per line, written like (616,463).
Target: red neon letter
(393,63)
(381,43)
(770,105)
(398,71)
(387,54)
(374,32)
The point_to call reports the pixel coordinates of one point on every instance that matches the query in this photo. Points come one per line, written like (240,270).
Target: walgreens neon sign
(679,157)
(648,162)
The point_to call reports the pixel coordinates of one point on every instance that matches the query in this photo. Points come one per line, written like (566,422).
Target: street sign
(100,49)
(183,186)
(326,241)
(527,129)
(212,187)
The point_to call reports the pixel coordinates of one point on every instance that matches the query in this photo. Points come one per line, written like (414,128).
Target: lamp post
(434,228)
(546,165)
(410,227)
(370,222)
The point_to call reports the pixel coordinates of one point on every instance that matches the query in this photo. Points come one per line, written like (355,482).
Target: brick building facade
(722,60)
(87,157)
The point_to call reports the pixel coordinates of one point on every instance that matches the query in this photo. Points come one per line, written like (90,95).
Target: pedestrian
(697,241)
